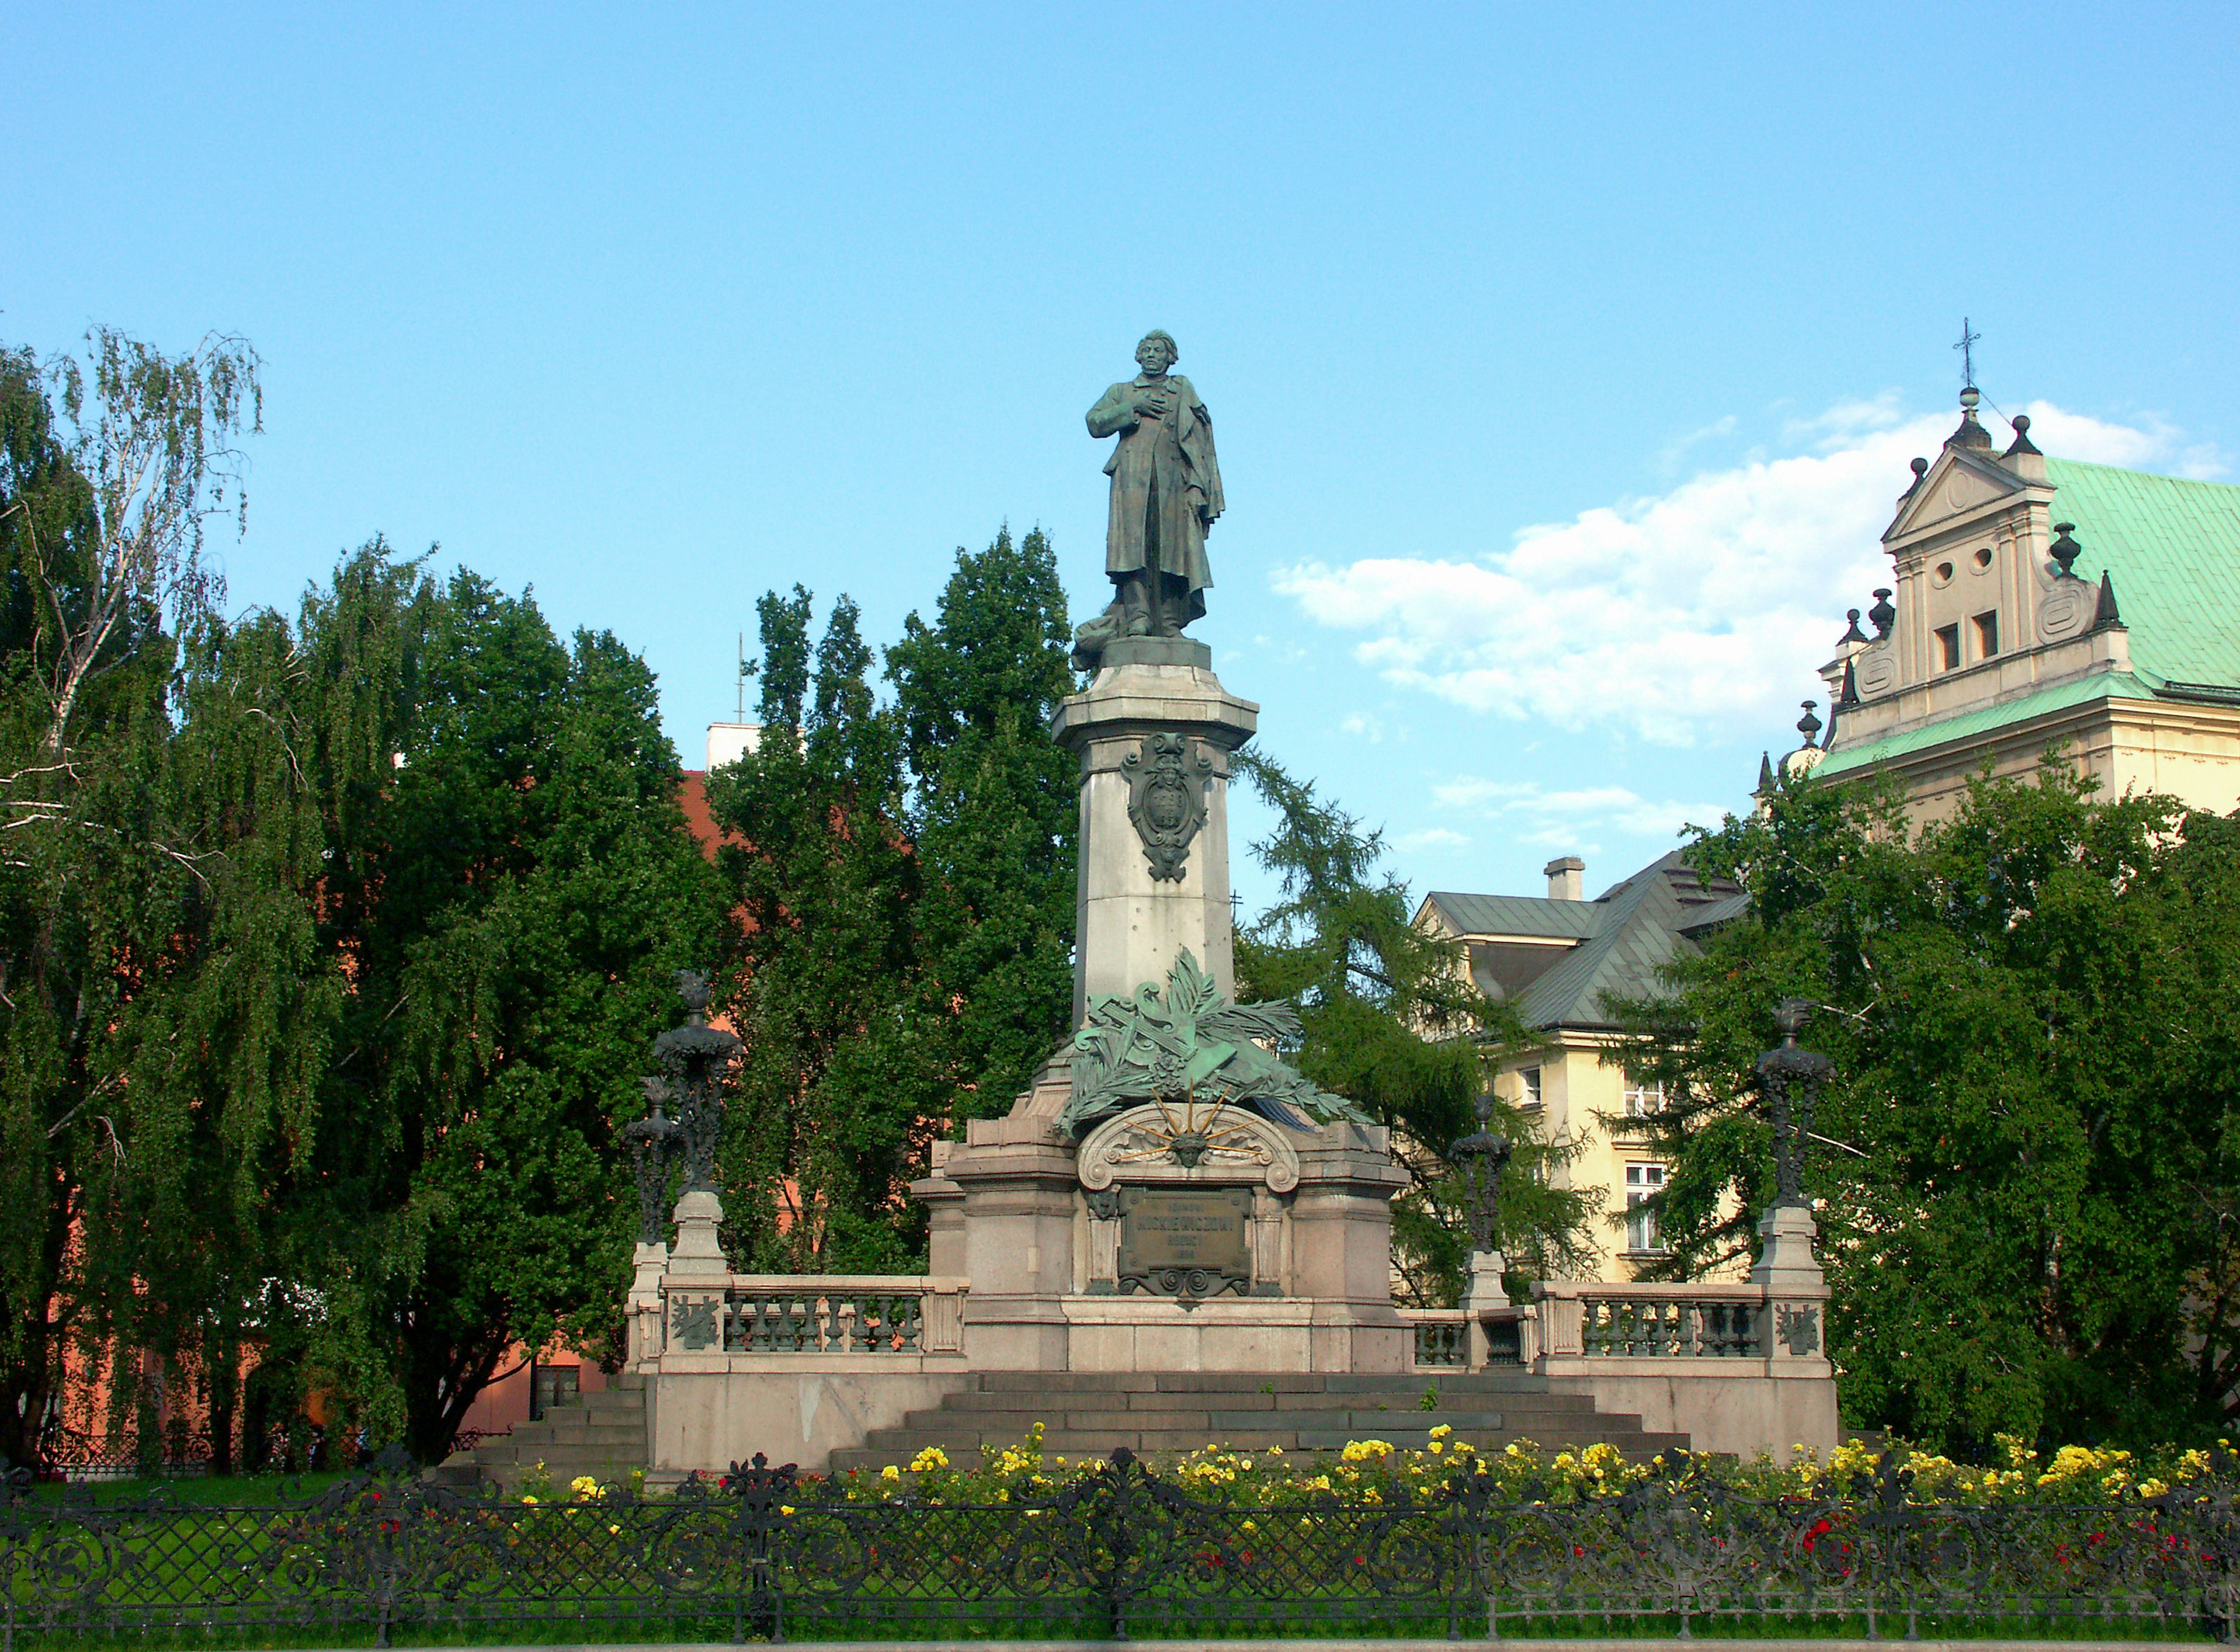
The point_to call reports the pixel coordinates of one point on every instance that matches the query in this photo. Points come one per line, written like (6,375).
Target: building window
(1948,648)
(1644,1096)
(1641,1182)
(1530,1078)
(1987,635)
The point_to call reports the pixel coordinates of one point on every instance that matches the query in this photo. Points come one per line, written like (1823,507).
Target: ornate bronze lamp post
(1790,1080)
(697,1059)
(1480,1157)
(654,1141)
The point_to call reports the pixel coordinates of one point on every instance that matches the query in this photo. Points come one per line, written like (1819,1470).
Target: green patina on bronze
(1166,493)
(1192,1043)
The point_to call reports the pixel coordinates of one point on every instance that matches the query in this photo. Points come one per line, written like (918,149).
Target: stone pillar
(1794,1333)
(1131,920)
(1785,1264)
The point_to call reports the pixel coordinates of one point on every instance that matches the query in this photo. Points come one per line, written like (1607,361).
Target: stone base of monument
(1269,1251)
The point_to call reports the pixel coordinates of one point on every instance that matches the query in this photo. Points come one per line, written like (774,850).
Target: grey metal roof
(1530,915)
(1626,935)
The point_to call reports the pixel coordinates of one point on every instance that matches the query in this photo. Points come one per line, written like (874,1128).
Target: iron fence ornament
(1122,1549)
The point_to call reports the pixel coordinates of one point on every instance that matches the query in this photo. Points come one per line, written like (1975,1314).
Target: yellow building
(1556,959)
(2035,601)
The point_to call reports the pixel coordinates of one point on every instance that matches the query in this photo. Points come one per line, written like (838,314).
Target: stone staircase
(1088,1413)
(601,1434)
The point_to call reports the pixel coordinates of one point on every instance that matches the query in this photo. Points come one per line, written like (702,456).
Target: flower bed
(1368,1541)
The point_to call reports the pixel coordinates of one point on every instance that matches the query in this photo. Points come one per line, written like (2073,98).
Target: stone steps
(601,1434)
(1091,1414)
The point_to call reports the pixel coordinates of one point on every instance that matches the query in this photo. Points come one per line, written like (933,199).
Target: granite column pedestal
(1131,922)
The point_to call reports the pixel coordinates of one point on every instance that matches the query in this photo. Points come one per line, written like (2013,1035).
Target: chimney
(1567,879)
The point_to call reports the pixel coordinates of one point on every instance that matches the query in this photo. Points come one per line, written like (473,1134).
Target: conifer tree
(994,818)
(1394,1022)
(825,1127)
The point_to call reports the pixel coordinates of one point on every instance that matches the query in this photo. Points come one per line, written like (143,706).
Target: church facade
(2038,602)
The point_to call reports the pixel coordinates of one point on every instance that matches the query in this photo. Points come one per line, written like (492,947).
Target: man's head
(1157,352)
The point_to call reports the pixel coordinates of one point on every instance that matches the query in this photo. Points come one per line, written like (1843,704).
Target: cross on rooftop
(1967,348)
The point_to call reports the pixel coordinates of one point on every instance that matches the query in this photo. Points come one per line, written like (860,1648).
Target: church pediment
(1961,483)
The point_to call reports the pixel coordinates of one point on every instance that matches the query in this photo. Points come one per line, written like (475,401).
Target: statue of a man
(1166,492)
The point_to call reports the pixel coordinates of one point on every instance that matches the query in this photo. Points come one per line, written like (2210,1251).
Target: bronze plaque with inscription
(1186,1243)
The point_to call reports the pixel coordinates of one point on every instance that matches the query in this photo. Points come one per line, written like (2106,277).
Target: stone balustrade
(1441,1337)
(872,1316)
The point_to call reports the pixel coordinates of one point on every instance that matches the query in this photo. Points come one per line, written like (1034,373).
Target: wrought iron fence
(1121,1551)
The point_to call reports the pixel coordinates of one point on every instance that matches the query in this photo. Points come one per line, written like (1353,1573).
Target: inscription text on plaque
(1187,1244)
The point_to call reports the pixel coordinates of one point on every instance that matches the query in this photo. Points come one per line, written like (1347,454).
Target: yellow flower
(1442,1430)
(528,1499)
(890,1473)
(932,1457)
(785,1509)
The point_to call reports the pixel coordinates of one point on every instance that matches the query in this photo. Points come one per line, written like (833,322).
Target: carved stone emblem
(693,1324)
(1166,800)
(1799,1330)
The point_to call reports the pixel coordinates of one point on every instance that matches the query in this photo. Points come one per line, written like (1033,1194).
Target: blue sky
(1564,364)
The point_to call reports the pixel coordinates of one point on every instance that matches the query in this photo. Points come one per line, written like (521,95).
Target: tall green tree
(2026,1184)
(161,1015)
(827,1121)
(995,816)
(515,900)
(1394,1021)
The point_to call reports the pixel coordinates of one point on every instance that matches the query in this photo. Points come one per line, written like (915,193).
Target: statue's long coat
(1166,483)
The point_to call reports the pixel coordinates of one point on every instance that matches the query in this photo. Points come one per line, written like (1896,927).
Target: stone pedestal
(1486,1295)
(1785,1262)
(1139,903)
(698,1254)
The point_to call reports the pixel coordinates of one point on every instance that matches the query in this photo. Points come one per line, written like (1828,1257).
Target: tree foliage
(328,950)
(2026,1192)
(1394,1021)
(903,877)
(822,1129)
(995,815)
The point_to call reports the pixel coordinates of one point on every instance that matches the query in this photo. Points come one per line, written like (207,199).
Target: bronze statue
(1166,492)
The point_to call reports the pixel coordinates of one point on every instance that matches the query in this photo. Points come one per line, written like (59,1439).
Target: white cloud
(1366,726)
(1558,817)
(1669,456)
(1430,838)
(2153,442)
(1681,614)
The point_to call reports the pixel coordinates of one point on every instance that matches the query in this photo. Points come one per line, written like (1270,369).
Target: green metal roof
(2109,685)
(2173,548)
